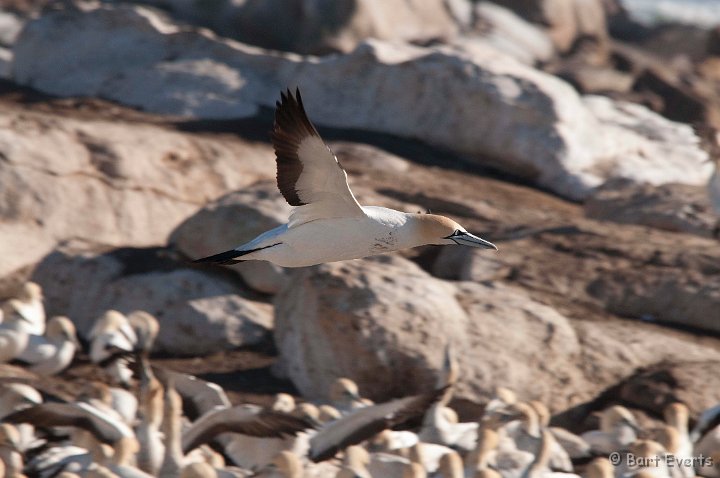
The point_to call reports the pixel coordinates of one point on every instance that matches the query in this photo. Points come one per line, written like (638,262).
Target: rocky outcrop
(232,220)
(199,313)
(384,323)
(568,21)
(111,182)
(318,27)
(485,106)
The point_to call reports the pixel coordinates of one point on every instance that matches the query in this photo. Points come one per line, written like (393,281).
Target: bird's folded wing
(308,173)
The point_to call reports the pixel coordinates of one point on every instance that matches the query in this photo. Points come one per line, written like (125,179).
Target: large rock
(502,29)
(568,21)
(199,313)
(484,105)
(111,182)
(382,322)
(317,27)
(235,219)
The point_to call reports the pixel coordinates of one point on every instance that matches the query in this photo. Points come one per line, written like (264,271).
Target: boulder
(509,33)
(317,27)
(384,323)
(672,207)
(381,321)
(485,105)
(112,182)
(567,21)
(232,220)
(516,342)
(199,313)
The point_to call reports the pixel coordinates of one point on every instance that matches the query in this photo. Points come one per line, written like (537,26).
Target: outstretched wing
(308,173)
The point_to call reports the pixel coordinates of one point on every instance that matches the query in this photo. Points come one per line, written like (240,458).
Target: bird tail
(227,257)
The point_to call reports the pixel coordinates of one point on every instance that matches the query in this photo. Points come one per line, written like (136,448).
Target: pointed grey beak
(467,239)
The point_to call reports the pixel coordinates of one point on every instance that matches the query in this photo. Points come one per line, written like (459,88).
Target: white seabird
(329,224)
(27,309)
(111,336)
(52,353)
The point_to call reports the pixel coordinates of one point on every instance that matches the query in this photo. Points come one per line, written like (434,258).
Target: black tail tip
(224,258)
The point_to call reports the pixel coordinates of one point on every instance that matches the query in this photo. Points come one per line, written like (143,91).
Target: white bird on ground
(112,333)
(27,309)
(52,353)
(618,429)
(329,224)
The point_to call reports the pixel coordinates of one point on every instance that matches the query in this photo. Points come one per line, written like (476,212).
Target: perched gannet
(481,456)
(285,464)
(428,455)
(540,467)
(13,339)
(112,333)
(451,466)
(329,225)
(573,444)
(618,429)
(146,328)
(9,454)
(27,308)
(414,470)
(600,468)
(345,395)
(52,353)
(355,461)
(17,396)
(364,423)
(437,427)
(676,438)
(150,414)
(653,456)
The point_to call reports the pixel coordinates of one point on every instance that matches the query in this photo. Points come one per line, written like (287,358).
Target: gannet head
(676,415)
(283,403)
(62,328)
(600,468)
(343,390)
(30,291)
(288,464)
(110,320)
(9,436)
(615,416)
(441,230)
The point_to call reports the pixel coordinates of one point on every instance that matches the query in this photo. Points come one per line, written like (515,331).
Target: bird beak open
(467,239)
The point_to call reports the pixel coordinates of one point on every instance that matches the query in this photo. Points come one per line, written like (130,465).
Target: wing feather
(366,422)
(308,173)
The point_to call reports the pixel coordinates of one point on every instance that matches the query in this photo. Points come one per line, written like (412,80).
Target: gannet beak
(466,239)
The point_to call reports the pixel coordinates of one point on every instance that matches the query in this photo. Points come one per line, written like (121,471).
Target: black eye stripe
(457,232)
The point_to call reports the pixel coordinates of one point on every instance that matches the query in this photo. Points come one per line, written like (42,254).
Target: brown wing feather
(266,423)
(290,128)
(367,422)
(61,415)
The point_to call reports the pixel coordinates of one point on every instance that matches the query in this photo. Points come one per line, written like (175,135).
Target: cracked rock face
(106,182)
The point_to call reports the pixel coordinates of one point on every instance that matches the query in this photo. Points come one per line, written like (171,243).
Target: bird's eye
(457,232)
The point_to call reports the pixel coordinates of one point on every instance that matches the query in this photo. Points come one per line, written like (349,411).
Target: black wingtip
(227,257)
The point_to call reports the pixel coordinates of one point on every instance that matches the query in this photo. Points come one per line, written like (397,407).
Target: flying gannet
(328,224)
